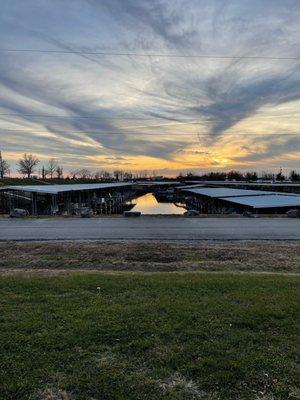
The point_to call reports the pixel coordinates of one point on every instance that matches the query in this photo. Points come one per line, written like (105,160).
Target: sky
(147,101)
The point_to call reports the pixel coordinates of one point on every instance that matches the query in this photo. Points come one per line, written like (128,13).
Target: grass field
(175,336)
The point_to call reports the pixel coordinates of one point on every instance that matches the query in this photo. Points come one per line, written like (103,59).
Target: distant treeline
(30,167)
(293,176)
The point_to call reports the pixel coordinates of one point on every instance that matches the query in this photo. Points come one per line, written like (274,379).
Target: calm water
(148,204)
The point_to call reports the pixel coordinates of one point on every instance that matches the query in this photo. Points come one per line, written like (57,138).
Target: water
(148,204)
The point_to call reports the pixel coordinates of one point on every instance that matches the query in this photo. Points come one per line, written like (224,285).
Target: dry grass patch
(178,384)
(265,256)
(54,394)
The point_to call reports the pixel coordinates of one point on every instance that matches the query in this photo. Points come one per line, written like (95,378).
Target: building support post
(54,204)
(34,204)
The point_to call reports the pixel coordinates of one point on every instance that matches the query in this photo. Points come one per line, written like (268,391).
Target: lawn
(130,336)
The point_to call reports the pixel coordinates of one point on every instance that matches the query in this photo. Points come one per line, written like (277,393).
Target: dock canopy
(271,201)
(227,192)
(217,199)
(55,189)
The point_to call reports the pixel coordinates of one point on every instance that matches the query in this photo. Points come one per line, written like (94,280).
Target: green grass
(18,181)
(30,181)
(156,336)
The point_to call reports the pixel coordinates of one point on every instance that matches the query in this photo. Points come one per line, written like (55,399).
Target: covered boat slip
(224,200)
(116,197)
(58,199)
(265,203)
(102,198)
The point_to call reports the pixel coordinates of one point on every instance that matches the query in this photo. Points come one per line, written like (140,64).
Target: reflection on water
(148,204)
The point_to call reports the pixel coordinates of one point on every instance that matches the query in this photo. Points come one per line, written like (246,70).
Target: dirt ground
(61,257)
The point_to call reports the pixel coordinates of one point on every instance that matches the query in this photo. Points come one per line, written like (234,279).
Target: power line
(124,54)
(141,133)
(188,120)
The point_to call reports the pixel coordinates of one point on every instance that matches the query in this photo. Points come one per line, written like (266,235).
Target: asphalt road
(150,228)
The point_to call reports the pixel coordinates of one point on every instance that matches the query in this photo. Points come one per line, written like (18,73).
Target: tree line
(243,176)
(28,166)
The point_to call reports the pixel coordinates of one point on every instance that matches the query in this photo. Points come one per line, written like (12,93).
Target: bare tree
(97,176)
(83,174)
(101,175)
(268,176)
(280,176)
(59,172)
(73,174)
(294,176)
(52,166)
(119,175)
(4,167)
(251,176)
(116,175)
(45,172)
(27,164)
(105,175)
(128,175)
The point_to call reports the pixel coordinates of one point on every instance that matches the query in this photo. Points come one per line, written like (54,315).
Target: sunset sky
(144,104)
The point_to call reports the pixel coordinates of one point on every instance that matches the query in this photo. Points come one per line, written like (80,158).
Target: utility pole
(1,169)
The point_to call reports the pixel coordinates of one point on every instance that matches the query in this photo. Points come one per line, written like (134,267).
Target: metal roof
(54,189)
(227,192)
(270,201)
(257,183)
(191,186)
(153,183)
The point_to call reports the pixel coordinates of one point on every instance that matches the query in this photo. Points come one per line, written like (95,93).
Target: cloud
(162,19)
(100,128)
(118,158)
(233,103)
(272,146)
(175,99)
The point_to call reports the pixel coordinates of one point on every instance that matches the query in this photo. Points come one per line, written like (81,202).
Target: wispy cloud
(148,106)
